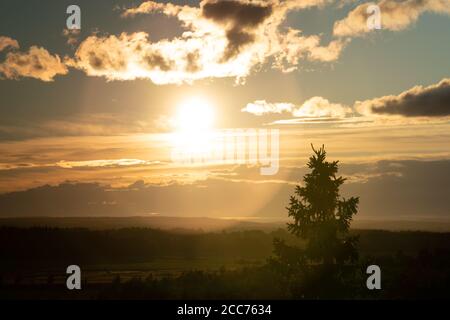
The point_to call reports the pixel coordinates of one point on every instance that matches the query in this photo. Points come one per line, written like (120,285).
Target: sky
(90,118)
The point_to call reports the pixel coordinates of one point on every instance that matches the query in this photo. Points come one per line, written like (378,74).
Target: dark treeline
(414,264)
(423,276)
(28,247)
(51,246)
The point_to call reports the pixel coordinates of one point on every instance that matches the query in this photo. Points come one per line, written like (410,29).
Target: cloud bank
(37,63)
(221,39)
(396,15)
(315,107)
(387,189)
(419,101)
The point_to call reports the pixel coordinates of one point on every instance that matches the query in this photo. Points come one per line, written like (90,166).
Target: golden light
(194,115)
(193,124)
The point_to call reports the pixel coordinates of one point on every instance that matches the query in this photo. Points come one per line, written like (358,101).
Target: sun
(193,124)
(194,115)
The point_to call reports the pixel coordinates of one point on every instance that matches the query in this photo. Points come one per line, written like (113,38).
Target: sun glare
(194,115)
(193,124)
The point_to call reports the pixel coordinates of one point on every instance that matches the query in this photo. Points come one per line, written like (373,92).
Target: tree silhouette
(320,216)
(322,219)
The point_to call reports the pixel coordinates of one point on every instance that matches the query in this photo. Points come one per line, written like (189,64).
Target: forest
(153,264)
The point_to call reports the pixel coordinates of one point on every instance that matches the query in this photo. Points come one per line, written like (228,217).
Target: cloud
(237,13)
(152,6)
(83,124)
(396,15)
(6,42)
(37,63)
(104,163)
(387,190)
(294,47)
(404,189)
(417,105)
(206,198)
(221,39)
(134,56)
(315,108)
(432,101)
(318,107)
(84,164)
(261,107)
(186,11)
(72,36)
(240,19)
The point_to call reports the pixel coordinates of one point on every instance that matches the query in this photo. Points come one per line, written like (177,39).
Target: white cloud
(261,107)
(396,15)
(293,47)
(221,39)
(315,107)
(318,107)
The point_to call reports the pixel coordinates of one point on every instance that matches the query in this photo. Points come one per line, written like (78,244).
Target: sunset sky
(88,118)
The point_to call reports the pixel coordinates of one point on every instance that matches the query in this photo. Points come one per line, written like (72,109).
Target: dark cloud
(237,13)
(192,61)
(388,190)
(240,18)
(404,190)
(157,60)
(103,60)
(237,39)
(207,198)
(431,101)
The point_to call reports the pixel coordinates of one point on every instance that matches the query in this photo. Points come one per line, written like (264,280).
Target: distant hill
(205,224)
(156,222)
